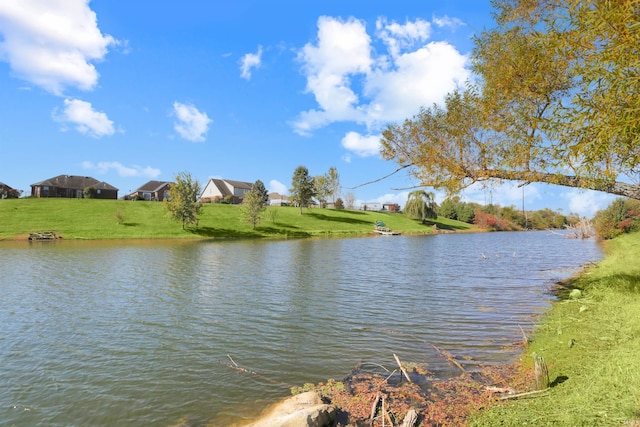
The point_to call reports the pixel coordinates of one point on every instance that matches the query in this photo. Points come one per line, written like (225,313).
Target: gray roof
(75,182)
(153,186)
(240,184)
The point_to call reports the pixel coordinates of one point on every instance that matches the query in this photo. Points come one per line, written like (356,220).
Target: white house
(217,190)
(277,199)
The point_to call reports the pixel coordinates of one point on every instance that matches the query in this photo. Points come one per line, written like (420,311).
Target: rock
(302,410)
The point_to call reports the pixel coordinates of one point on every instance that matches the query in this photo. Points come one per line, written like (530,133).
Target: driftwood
(518,395)
(402,368)
(238,368)
(374,409)
(449,357)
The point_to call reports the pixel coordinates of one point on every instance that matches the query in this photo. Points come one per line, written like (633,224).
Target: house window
(146,196)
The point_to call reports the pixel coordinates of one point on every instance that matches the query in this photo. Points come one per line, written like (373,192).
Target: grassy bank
(591,344)
(120,219)
(589,338)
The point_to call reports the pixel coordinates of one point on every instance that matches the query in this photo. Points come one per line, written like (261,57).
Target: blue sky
(129,91)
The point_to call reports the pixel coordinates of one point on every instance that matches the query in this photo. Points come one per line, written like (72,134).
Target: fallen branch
(411,419)
(517,395)
(374,409)
(238,368)
(449,357)
(402,368)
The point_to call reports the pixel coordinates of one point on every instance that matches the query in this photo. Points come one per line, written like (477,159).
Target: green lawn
(591,344)
(98,219)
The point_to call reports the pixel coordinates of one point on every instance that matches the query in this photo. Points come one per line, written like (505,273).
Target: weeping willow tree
(555,99)
(421,206)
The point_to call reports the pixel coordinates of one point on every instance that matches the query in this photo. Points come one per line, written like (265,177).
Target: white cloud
(52,43)
(586,202)
(124,171)
(350,82)
(85,119)
(192,124)
(363,146)
(446,21)
(508,193)
(419,78)
(343,50)
(250,61)
(398,37)
(278,187)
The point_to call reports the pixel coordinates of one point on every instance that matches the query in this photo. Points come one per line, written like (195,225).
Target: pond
(146,333)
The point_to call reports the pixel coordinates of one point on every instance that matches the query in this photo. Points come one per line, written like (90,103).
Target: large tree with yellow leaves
(555,99)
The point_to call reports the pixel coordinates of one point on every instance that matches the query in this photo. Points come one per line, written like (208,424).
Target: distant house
(218,190)
(371,206)
(152,190)
(277,199)
(74,187)
(391,207)
(7,192)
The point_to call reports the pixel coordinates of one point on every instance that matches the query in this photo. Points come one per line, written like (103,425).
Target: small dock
(43,236)
(383,230)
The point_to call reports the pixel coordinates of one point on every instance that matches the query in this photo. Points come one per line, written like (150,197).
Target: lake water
(132,334)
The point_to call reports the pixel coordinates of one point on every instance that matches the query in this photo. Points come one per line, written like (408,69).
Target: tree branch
(380,179)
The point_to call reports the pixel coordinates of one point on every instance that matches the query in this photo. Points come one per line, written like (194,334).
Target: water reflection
(114,333)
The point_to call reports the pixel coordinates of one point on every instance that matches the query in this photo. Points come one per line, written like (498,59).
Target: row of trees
(304,187)
(182,203)
(422,206)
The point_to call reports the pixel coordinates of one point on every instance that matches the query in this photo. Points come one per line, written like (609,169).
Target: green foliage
(89,193)
(262,192)
(454,208)
(253,205)
(421,206)
(302,190)
(621,216)
(320,185)
(332,177)
(182,204)
(327,186)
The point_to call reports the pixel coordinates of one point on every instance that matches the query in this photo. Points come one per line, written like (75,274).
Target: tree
(321,188)
(302,191)
(555,100)
(420,205)
(350,200)
(262,192)
(332,179)
(253,205)
(182,203)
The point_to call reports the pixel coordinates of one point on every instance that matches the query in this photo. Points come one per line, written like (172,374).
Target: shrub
(621,216)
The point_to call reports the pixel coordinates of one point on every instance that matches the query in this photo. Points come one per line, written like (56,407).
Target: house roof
(153,186)
(224,190)
(277,196)
(75,182)
(239,184)
(219,183)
